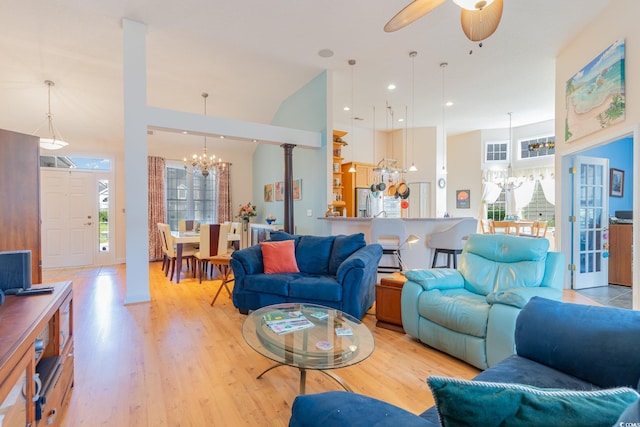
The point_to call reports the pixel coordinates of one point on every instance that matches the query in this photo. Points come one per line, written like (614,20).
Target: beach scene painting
(595,95)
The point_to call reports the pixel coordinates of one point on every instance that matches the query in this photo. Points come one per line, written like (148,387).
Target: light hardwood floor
(177,361)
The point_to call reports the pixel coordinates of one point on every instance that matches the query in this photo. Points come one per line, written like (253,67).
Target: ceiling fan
(480,18)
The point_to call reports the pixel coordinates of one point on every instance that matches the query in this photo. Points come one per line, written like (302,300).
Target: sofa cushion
(279,257)
(343,246)
(314,287)
(456,309)
(277,284)
(563,335)
(279,235)
(498,404)
(516,369)
(312,254)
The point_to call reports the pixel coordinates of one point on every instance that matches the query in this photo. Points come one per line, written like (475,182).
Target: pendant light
(443,66)
(203,163)
(412,55)
(52,142)
(352,63)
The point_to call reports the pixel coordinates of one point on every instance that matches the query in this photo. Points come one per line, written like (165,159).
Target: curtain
(523,194)
(224,208)
(157,212)
(490,193)
(549,190)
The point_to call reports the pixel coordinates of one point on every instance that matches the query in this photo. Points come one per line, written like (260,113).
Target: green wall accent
(305,109)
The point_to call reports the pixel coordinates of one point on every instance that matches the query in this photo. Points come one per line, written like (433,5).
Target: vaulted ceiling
(251,55)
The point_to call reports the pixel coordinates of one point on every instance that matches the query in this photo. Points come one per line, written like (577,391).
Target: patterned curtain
(157,211)
(224,212)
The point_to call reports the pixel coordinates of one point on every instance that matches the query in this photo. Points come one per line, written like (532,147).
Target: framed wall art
(616,182)
(268,192)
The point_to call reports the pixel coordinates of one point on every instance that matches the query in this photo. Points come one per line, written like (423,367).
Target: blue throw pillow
(343,247)
(279,235)
(479,403)
(312,254)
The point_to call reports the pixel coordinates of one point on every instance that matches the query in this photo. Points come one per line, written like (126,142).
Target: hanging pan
(403,190)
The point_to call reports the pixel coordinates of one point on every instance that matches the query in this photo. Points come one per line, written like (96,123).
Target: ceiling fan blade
(480,24)
(413,11)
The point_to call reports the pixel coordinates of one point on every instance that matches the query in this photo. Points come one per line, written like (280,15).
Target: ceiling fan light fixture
(411,13)
(479,24)
(473,4)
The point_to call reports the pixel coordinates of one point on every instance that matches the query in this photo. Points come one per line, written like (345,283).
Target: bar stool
(390,234)
(450,240)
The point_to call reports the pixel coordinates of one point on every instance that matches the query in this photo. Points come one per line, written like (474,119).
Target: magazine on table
(282,322)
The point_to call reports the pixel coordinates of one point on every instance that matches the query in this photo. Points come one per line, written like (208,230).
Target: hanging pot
(403,190)
(382,186)
(391,192)
(374,188)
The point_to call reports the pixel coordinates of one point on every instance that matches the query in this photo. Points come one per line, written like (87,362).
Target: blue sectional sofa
(581,351)
(470,312)
(335,271)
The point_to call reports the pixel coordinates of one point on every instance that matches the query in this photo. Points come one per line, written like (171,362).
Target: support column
(288,187)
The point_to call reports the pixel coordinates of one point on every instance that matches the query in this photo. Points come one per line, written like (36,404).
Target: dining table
(180,238)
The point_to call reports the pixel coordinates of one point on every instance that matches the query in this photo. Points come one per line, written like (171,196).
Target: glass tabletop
(308,336)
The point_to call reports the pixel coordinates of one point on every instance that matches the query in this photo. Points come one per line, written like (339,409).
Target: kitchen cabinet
(620,251)
(36,357)
(363,177)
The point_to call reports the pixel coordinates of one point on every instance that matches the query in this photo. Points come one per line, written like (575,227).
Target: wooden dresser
(36,357)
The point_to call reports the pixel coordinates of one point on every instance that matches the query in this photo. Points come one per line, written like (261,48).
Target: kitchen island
(415,255)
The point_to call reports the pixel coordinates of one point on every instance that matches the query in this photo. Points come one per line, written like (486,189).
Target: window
(190,196)
(103,215)
(497,210)
(538,147)
(68,162)
(497,151)
(539,209)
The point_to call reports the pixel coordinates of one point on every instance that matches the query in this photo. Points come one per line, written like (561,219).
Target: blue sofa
(584,349)
(335,271)
(470,313)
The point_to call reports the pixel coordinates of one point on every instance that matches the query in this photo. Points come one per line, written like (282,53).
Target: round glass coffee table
(308,336)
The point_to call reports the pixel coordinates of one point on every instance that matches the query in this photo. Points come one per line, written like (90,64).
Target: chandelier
(536,146)
(52,142)
(203,162)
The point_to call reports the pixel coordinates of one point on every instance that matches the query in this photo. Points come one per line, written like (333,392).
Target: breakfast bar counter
(415,255)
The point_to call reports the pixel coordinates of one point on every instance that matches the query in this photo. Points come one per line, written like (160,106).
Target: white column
(135,162)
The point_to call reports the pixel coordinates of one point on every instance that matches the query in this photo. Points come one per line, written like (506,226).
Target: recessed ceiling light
(221,136)
(185,132)
(254,140)
(325,53)
(346,108)
(391,86)
(401,119)
(449,104)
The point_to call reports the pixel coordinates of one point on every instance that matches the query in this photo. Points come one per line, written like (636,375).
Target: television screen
(15,271)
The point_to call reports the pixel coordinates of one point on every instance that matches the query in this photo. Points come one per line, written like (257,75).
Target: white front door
(68,218)
(591,226)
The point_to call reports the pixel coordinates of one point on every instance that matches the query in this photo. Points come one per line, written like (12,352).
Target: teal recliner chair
(470,313)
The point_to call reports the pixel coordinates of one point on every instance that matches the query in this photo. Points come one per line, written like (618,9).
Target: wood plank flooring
(177,361)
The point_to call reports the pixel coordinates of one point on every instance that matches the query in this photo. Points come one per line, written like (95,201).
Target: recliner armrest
(436,278)
(519,297)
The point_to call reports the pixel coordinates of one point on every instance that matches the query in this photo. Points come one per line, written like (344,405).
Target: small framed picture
(279,191)
(463,199)
(616,183)
(268,192)
(297,189)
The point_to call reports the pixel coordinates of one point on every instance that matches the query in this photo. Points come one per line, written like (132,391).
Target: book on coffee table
(285,322)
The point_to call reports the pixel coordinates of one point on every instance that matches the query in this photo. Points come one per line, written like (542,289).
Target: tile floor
(611,295)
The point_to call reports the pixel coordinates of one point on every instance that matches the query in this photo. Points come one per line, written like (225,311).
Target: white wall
(618,21)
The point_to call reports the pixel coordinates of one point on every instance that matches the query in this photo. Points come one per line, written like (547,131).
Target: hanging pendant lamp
(52,142)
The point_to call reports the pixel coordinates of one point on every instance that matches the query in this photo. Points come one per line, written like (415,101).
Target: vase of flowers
(246,212)
(270,219)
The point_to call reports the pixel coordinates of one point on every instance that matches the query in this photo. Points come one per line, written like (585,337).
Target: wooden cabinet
(388,306)
(20,195)
(36,357)
(337,176)
(620,251)
(363,177)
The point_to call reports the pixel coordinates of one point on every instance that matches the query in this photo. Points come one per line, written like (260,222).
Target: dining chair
(504,227)
(214,240)
(170,247)
(538,229)
(486,226)
(163,241)
(188,225)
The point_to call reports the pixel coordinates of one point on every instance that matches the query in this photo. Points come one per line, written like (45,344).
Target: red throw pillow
(279,257)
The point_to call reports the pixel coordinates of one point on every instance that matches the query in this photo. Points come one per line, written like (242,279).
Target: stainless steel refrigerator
(369,204)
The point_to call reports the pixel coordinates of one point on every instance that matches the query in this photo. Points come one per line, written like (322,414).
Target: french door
(591,222)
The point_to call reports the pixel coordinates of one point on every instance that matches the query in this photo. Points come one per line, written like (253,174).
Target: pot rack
(388,167)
